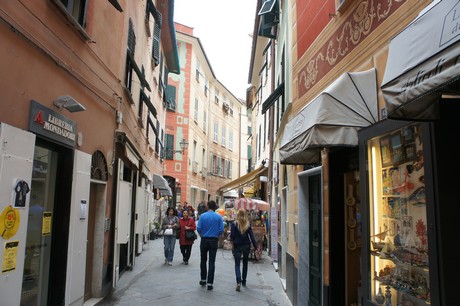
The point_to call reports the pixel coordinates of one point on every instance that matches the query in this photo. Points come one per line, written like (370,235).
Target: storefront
(324,136)
(408,166)
(50,182)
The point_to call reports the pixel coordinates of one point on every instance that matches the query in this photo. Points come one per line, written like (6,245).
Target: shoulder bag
(190,234)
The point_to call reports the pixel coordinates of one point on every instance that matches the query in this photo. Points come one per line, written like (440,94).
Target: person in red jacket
(186,223)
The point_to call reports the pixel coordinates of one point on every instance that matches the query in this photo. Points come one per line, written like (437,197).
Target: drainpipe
(271,127)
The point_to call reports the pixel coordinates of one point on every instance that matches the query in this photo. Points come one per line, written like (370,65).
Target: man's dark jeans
(208,245)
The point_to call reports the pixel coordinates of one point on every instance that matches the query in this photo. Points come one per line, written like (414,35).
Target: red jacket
(183,223)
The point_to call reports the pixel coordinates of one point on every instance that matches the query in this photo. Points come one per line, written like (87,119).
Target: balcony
(195,167)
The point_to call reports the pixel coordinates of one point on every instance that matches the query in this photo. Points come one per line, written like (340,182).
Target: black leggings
(186,250)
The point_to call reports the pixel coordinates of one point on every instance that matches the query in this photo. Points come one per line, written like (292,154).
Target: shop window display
(398,219)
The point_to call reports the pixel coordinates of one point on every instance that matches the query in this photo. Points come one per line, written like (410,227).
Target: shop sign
(46,122)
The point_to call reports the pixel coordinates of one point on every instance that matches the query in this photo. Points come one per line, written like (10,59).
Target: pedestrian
(210,227)
(170,225)
(201,209)
(186,223)
(242,236)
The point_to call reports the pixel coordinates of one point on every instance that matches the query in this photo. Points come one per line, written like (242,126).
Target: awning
(423,64)
(332,119)
(243,180)
(272,98)
(131,155)
(231,194)
(168,36)
(161,183)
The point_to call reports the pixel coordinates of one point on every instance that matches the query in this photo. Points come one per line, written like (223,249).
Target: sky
(225,30)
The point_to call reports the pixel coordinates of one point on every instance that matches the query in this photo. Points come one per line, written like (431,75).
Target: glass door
(398,254)
(38,244)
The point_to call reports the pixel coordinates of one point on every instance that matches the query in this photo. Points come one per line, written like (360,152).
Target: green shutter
(156,39)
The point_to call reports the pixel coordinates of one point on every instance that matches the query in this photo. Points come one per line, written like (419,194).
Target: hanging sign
(9,222)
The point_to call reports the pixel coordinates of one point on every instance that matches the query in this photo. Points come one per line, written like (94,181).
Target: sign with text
(46,122)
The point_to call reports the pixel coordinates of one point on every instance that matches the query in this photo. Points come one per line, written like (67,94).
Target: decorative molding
(366,17)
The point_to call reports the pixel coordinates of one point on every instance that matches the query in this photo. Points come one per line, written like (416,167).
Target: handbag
(168,232)
(190,235)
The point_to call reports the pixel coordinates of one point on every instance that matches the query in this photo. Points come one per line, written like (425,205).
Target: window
(76,9)
(216,99)
(224,134)
(195,113)
(230,140)
(216,132)
(206,87)
(232,105)
(204,121)
(228,169)
(197,71)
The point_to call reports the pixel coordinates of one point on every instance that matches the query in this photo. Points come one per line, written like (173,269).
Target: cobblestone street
(151,282)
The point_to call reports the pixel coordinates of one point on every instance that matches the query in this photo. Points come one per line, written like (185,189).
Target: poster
(9,256)
(46,224)
(274,233)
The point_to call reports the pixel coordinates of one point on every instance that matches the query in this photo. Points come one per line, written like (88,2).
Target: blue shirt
(210,225)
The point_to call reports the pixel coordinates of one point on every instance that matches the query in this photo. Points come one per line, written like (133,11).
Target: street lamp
(183,145)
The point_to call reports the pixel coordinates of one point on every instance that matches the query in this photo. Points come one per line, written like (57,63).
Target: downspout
(271,127)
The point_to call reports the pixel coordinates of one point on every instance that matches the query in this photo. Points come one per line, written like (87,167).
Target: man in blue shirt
(210,227)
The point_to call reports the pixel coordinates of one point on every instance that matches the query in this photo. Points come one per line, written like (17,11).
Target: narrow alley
(151,282)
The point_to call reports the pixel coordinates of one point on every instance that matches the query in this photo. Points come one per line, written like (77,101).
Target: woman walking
(242,237)
(170,225)
(186,223)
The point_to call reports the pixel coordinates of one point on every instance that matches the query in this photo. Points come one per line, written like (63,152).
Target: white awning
(161,183)
(423,64)
(243,180)
(231,194)
(131,155)
(333,118)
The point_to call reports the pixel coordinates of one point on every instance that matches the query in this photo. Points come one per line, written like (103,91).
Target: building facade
(208,117)
(370,91)
(81,127)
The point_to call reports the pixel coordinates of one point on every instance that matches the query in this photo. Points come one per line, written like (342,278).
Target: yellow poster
(9,256)
(46,224)
(9,222)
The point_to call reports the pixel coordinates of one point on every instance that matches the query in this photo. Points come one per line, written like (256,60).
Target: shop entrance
(47,229)
(310,250)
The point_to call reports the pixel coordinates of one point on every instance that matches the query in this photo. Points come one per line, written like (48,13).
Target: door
(48,226)
(90,241)
(311,249)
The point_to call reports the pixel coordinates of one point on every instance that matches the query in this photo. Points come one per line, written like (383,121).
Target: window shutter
(131,37)
(169,146)
(156,39)
(171,97)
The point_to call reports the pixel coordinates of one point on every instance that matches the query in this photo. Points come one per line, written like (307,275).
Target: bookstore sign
(46,122)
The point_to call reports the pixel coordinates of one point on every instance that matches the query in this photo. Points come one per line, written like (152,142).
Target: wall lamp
(69,104)
(183,145)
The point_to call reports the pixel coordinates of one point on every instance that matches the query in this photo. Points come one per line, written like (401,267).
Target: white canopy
(423,64)
(332,119)
(161,183)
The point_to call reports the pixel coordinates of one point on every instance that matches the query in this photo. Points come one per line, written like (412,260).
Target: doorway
(45,263)
(311,249)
